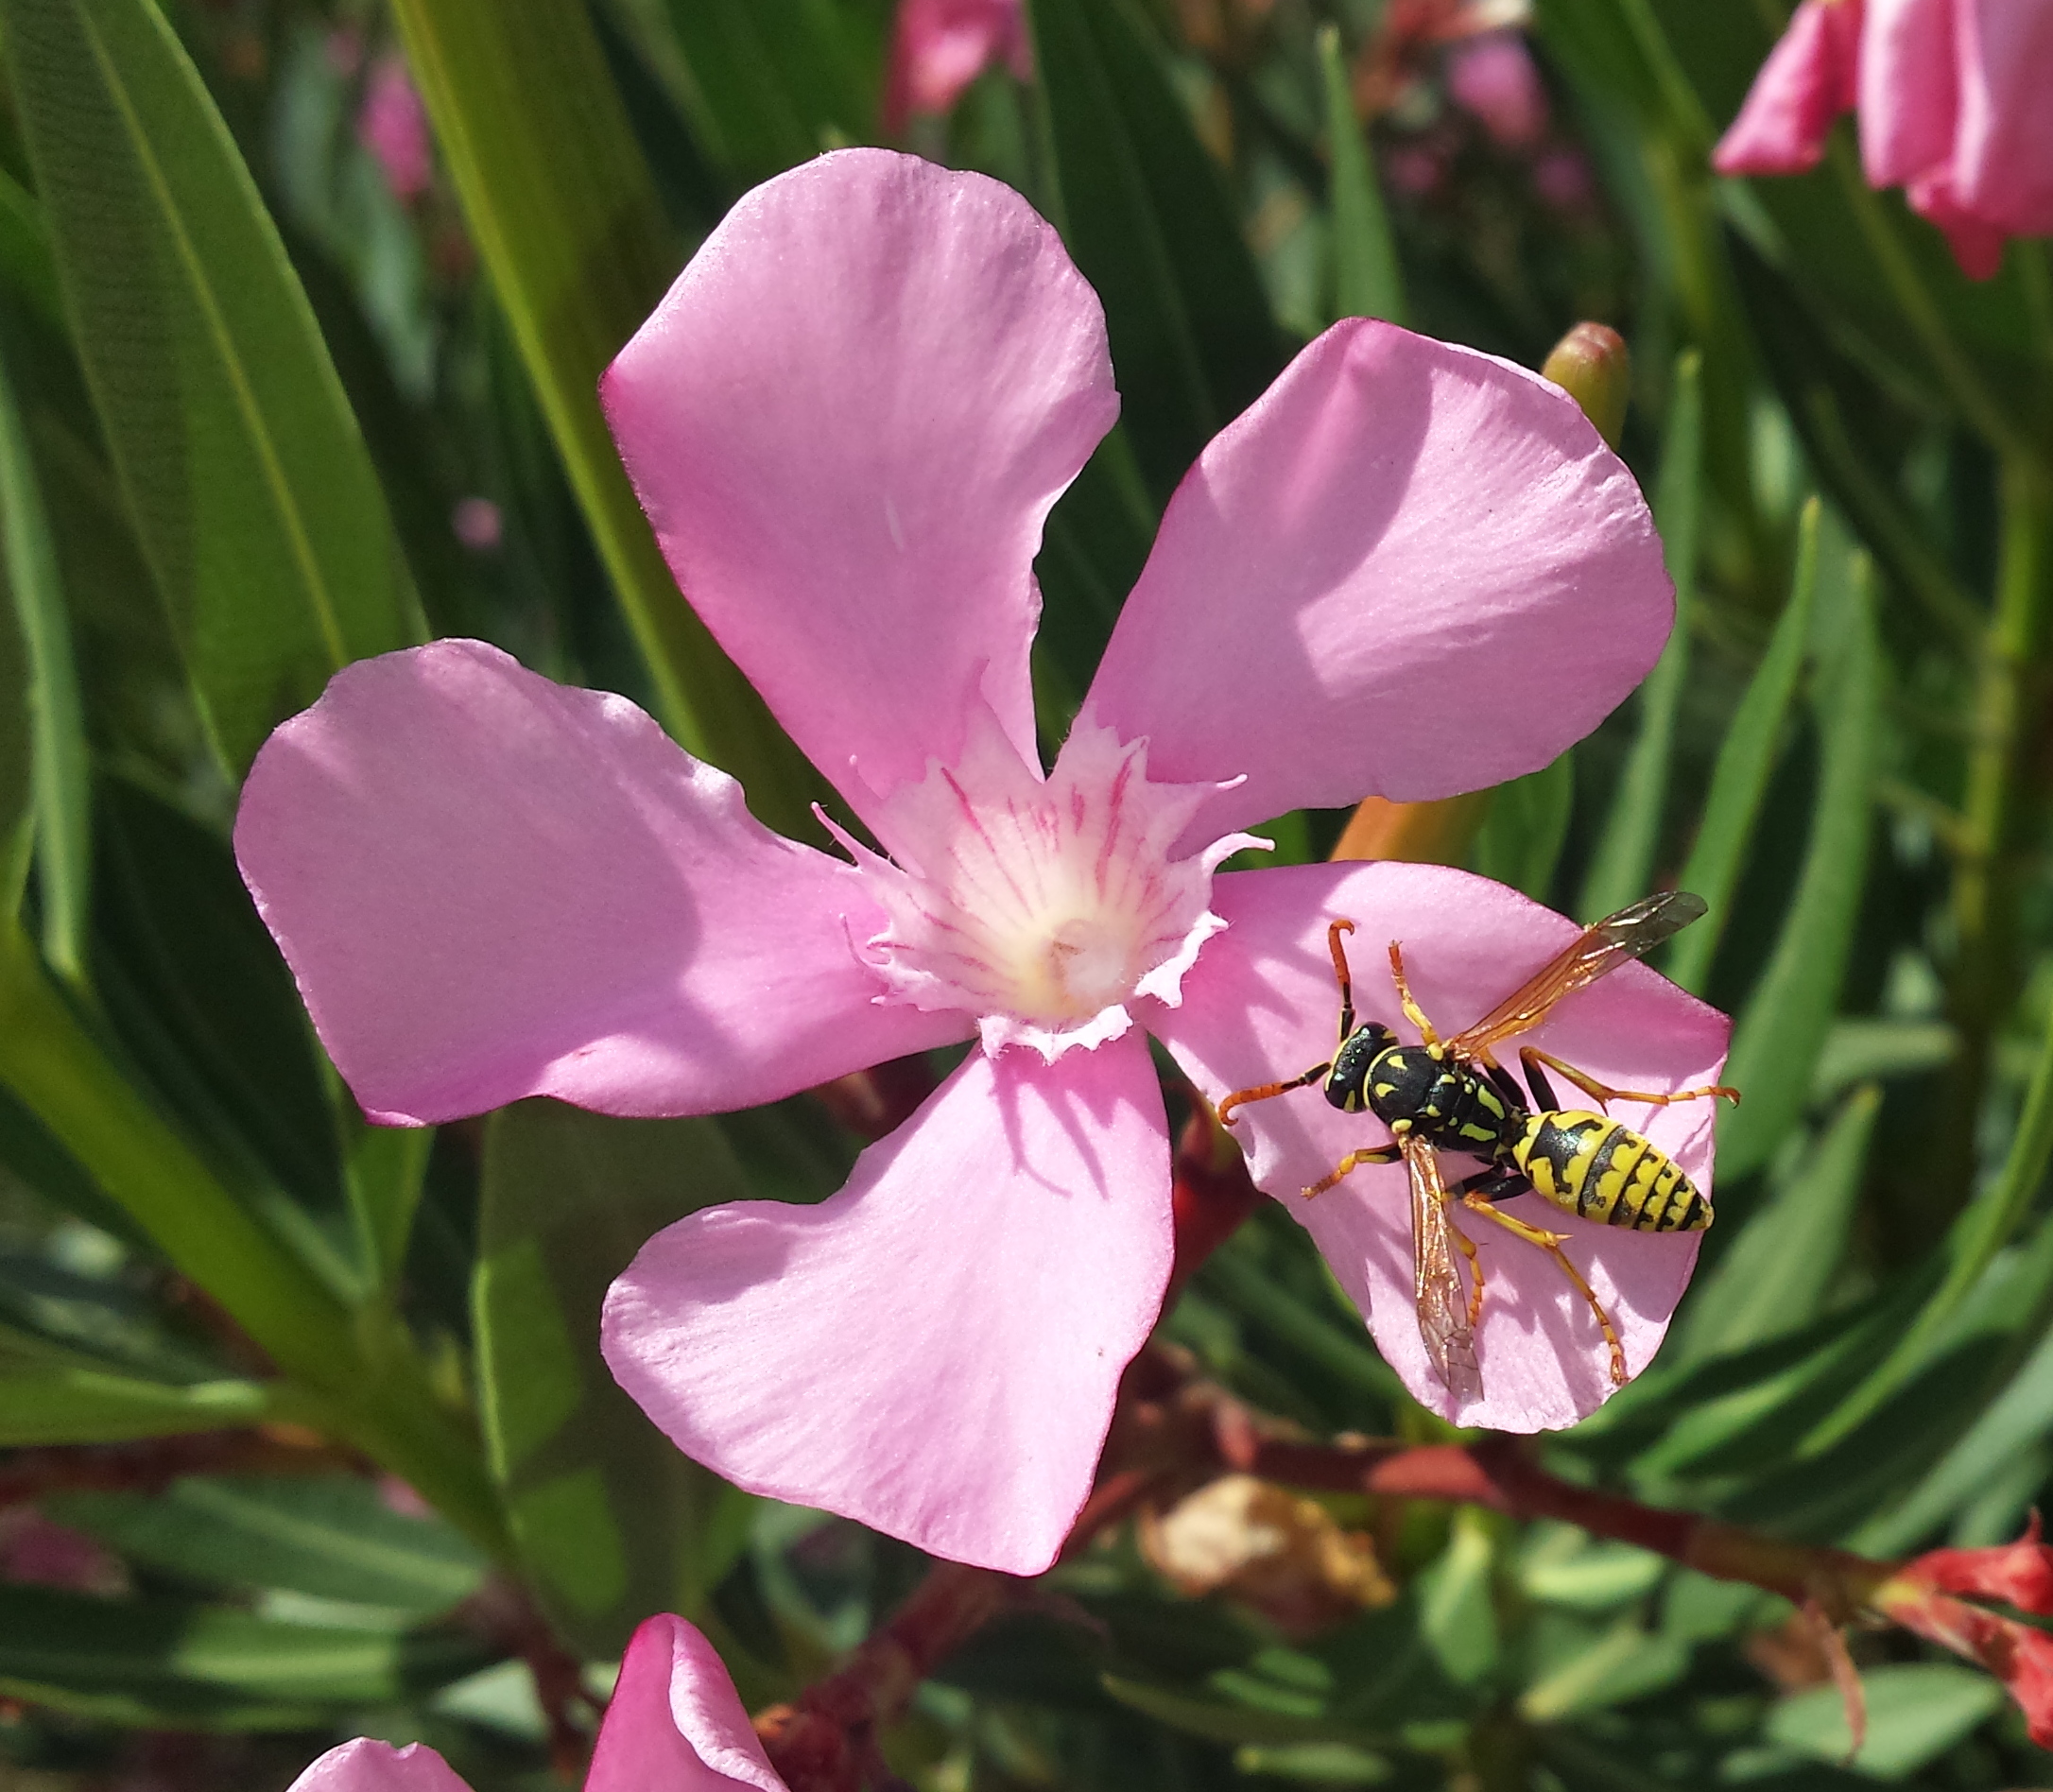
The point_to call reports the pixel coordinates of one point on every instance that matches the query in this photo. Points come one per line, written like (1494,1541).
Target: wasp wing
(1598,949)
(1444,1311)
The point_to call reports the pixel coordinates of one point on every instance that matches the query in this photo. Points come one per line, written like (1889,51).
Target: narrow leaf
(1773,1279)
(1781,1031)
(1367,282)
(329,1536)
(565,213)
(1527,826)
(67,1403)
(612,1523)
(163,1662)
(62,780)
(255,499)
(1146,215)
(1919,1710)
(1745,762)
(1623,866)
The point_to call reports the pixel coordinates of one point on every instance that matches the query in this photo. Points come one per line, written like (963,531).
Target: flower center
(1041,907)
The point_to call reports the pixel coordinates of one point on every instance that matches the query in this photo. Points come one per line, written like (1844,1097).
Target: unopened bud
(1594,367)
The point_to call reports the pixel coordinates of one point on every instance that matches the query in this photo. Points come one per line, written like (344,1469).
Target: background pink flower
(847,422)
(676,1724)
(1953,102)
(1493,77)
(393,126)
(939,46)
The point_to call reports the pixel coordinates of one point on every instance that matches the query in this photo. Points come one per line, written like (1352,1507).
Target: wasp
(1452,1094)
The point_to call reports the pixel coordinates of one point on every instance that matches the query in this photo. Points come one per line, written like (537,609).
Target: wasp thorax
(1039,907)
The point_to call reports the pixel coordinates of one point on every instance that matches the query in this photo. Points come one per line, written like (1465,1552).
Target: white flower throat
(1041,907)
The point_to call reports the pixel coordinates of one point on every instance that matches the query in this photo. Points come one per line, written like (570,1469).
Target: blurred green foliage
(261,414)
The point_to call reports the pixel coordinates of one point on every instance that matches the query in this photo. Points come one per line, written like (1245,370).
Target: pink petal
(1259,1005)
(934,1350)
(676,1723)
(1398,540)
(2003,155)
(847,422)
(364,1765)
(1809,79)
(490,885)
(1976,244)
(1909,89)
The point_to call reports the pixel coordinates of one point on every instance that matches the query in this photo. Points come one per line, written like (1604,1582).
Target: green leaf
(62,783)
(1746,759)
(763,84)
(2012,1430)
(565,215)
(1774,1278)
(328,1537)
(1145,214)
(612,1523)
(1215,1719)
(43,1403)
(196,991)
(251,491)
(373,1389)
(1458,1616)
(164,1662)
(26,262)
(17,764)
(1625,1662)
(1916,1712)
(1972,1245)
(1522,837)
(1782,1030)
(1623,866)
(385,1170)
(1367,280)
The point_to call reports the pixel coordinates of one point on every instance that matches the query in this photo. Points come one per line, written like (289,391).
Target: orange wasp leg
(1466,1246)
(1352,1162)
(1603,1094)
(1264,1092)
(1413,1012)
(1551,1242)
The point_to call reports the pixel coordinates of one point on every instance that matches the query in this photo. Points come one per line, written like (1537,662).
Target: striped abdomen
(1606,1173)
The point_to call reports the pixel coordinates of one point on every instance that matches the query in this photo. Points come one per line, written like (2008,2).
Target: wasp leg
(1505,1083)
(1551,1242)
(1413,1012)
(1603,1095)
(1341,976)
(1466,1246)
(1353,1161)
(1262,1091)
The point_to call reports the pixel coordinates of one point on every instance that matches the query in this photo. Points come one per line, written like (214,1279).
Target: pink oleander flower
(1953,102)
(1407,569)
(939,46)
(1493,77)
(393,126)
(676,1724)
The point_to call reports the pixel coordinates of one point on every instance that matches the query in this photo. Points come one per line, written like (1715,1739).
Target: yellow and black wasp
(1452,1094)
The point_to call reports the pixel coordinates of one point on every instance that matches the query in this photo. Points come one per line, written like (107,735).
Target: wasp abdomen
(1606,1172)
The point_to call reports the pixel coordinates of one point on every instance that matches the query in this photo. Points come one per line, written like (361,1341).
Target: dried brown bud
(1284,1556)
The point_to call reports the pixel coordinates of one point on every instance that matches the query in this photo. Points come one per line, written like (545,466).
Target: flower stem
(2009,712)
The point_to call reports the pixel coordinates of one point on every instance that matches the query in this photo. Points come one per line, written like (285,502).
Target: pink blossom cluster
(1956,106)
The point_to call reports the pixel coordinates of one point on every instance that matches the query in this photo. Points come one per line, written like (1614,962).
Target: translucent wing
(1600,948)
(1443,1317)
